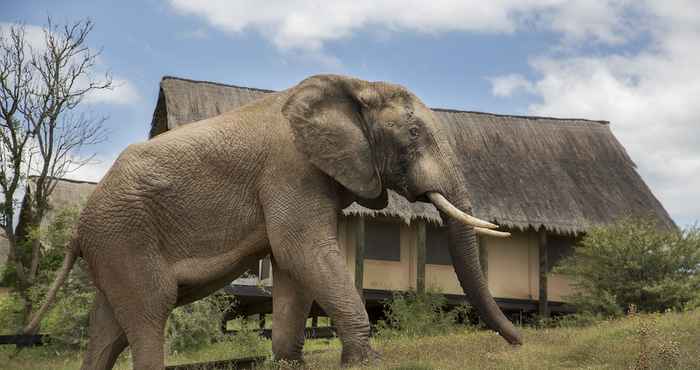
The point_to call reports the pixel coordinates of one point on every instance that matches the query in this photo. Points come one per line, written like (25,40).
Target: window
(437,252)
(382,240)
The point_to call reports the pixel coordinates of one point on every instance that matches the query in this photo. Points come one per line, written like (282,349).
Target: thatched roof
(521,172)
(67,193)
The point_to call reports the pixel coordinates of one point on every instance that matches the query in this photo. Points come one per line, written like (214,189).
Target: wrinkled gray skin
(182,214)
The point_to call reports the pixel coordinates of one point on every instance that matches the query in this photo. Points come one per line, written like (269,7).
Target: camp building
(546,180)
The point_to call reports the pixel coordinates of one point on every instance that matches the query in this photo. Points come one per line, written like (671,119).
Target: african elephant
(180,215)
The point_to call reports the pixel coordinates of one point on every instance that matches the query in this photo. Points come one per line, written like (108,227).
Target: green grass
(668,341)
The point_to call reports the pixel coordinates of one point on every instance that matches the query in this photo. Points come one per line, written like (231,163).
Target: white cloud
(94,170)
(122,91)
(33,35)
(507,85)
(309,24)
(651,98)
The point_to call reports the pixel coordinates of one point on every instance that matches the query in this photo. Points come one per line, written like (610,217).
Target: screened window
(437,252)
(382,240)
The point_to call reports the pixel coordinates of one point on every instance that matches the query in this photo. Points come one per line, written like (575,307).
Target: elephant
(180,215)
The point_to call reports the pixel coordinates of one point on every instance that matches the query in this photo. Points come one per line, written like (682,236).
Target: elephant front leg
(290,308)
(310,255)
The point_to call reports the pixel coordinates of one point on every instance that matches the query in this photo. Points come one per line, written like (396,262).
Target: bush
(197,324)
(416,314)
(632,262)
(67,321)
(10,314)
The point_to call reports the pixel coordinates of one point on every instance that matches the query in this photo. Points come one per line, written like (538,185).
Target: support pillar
(544,267)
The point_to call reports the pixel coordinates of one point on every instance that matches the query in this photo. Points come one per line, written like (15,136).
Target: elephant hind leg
(142,301)
(106,338)
(144,319)
(291,305)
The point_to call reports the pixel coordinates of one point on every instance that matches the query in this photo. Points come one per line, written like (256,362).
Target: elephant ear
(329,126)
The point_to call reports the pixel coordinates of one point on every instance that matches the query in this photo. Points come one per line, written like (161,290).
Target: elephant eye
(413,131)
(390,124)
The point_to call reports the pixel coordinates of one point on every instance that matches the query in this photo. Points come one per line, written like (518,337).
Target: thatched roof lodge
(545,179)
(521,171)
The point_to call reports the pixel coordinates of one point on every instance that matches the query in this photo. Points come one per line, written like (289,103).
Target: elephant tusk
(444,205)
(489,232)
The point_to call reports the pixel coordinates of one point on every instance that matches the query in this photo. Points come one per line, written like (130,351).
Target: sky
(635,63)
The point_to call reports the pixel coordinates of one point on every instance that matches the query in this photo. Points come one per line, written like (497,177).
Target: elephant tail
(68,261)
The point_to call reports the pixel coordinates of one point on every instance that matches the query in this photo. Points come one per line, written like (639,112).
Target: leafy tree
(633,262)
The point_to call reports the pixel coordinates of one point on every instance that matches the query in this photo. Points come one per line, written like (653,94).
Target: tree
(42,131)
(632,262)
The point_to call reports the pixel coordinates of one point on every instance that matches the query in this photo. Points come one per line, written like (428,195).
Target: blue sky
(630,62)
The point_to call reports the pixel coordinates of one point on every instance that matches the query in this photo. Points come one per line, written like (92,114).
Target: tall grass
(635,342)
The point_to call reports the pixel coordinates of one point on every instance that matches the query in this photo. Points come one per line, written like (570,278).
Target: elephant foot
(363,355)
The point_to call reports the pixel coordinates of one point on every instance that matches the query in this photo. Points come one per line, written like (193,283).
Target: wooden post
(360,254)
(544,266)
(420,256)
(483,257)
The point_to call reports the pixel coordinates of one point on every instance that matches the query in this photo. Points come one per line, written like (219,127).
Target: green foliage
(68,319)
(413,314)
(632,262)
(10,314)
(656,349)
(196,325)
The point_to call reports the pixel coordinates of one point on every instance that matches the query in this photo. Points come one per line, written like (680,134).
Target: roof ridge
(216,83)
(449,110)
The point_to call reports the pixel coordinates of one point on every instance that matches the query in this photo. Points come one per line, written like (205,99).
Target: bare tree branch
(42,134)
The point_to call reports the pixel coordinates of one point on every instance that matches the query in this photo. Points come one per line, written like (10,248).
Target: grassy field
(668,341)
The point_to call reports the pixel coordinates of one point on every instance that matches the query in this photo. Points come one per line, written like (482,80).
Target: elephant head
(373,136)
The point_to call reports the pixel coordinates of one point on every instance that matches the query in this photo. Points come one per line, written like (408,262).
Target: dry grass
(669,341)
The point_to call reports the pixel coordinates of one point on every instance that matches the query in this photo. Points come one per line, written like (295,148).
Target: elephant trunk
(465,258)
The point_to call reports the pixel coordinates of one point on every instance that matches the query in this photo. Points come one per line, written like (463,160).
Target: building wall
(513,266)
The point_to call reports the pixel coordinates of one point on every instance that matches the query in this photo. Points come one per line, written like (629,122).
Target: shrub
(416,314)
(10,314)
(633,262)
(197,324)
(656,350)
(67,321)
